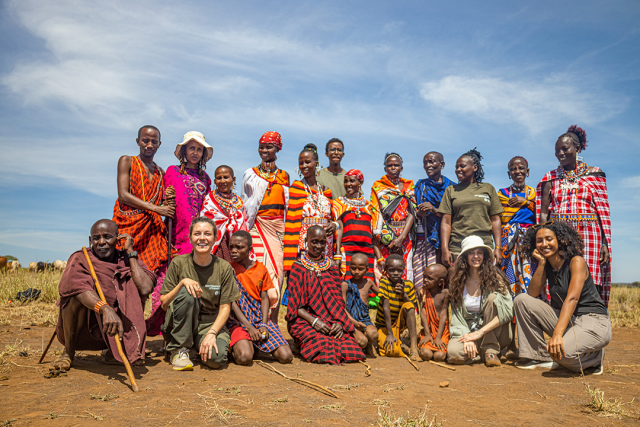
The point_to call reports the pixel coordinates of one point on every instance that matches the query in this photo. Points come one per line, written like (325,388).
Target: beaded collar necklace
(357,205)
(268,172)
(513,189)
(314,198)
(317,266)
(570,178)
(231,203)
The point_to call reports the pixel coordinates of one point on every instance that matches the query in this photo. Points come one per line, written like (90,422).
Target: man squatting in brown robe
(126,283)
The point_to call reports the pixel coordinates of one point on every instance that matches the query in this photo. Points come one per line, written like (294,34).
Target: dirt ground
(94,393)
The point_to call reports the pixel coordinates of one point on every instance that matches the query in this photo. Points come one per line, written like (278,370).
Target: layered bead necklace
(570,178)
(268,175)
(231,203)
(356,205)
(313,198)
(316,266)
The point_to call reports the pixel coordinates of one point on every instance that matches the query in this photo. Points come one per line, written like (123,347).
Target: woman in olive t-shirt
(470,207)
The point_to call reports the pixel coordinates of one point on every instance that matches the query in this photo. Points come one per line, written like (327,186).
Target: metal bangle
(314,322)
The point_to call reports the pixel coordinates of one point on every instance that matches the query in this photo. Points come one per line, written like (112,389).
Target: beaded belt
(574,217)
(315,220)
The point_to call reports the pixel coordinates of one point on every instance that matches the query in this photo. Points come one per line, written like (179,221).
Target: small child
(396,311)
(250,325)
(355,293)
(434,314)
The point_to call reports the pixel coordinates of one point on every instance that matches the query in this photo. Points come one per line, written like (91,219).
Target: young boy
(250,325)
(396,311)
(355,293)
(434,314)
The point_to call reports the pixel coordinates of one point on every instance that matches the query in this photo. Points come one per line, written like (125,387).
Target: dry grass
(607,407)
(624,306)
(387,418)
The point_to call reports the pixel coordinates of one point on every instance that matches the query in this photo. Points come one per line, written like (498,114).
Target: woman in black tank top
(575,303)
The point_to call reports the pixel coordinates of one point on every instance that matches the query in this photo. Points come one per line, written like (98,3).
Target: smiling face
(103,239)
(546,242)
(394,269)
(239,248)
(352,186)
(193,151)
(149,142)
(307,164)
(465,170)
(393,167)
(518,171)
(566,151)
(433,164)
(316,241)
(335,152)
(224,180)
(475,257)
(267,152)
(202,238)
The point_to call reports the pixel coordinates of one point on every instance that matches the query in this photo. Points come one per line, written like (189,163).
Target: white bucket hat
(472,242)
(199,138)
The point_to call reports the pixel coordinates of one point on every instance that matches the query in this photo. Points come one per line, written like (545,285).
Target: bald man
(84,323)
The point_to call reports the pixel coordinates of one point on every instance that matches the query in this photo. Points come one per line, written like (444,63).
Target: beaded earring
(297,170)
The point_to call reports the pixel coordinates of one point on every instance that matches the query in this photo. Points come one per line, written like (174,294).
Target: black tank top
(589,302)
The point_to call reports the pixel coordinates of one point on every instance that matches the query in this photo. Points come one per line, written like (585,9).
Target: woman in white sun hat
(190,184)
(481,306)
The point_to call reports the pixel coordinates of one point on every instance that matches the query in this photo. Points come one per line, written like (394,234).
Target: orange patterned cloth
(146,227)
(434,323)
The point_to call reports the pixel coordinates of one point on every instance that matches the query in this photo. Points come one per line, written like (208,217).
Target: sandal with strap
(62,363)
(491,360)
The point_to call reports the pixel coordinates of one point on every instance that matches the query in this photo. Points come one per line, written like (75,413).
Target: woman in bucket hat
(481,306)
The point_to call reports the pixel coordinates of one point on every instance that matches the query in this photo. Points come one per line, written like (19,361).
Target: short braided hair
(475,157)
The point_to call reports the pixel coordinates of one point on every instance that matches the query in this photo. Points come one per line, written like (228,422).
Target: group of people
(220,265)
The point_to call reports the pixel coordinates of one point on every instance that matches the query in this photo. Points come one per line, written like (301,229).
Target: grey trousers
(492,342)
(184,326)
(583,341)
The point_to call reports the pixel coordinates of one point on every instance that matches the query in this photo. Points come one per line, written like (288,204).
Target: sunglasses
(544,223)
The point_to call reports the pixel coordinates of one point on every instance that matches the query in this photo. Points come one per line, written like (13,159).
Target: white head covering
(199,138)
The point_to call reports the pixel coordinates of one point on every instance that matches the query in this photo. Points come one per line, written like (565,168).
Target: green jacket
(461,318)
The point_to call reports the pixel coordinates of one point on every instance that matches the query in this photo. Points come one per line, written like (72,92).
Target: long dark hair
(201,164)
(491,278)
(570,242)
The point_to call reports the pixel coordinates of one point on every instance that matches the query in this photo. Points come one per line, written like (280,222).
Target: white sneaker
(533,364)
(180,360)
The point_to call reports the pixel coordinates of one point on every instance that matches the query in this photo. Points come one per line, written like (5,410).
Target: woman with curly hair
(577,319)
(481,306)
(470,207)
(577,193)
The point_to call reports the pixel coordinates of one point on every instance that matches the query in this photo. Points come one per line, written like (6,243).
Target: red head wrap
(356,173)
(272,138)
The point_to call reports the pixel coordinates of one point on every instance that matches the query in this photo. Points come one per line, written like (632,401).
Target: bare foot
(62,363)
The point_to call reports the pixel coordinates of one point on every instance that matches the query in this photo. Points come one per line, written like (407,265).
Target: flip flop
(414,356)
(62,363)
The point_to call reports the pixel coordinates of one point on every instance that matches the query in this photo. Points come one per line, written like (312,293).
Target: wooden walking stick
(171,201)
(44,353)
(134,385)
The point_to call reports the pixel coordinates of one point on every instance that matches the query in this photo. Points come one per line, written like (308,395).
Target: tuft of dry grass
(624,306)
(387,418)
(607,407)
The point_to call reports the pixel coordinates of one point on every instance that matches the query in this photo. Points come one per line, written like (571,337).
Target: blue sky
(77,79)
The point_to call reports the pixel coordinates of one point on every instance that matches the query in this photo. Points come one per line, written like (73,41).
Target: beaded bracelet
(98,306)
(213,332)
(380,260)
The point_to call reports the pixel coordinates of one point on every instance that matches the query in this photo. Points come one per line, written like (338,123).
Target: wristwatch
(133,254)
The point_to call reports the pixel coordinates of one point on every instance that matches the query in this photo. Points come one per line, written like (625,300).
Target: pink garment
(190,193)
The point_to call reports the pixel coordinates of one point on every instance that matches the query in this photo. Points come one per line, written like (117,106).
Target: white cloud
(537,106)
(631,182)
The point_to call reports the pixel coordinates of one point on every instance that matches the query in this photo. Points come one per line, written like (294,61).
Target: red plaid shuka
(322,298)
(587,210)
(146,227)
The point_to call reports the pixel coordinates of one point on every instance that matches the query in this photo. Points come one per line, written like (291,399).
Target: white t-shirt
(472,304)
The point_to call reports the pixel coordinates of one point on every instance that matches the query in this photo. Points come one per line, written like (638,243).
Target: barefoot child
(250,325)
(434,314)
(396,311)
(355,293)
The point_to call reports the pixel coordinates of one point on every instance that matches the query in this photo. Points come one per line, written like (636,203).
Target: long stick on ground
(44,353)
(123,356)
(442,365)
(314,386)
(412,364)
